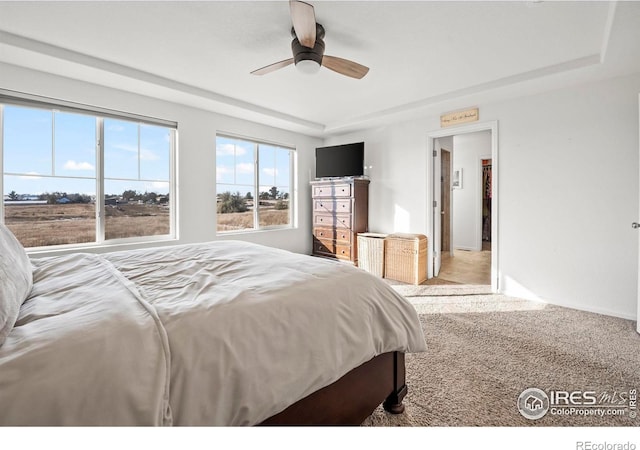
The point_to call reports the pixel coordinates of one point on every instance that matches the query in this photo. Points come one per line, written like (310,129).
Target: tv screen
(339,161)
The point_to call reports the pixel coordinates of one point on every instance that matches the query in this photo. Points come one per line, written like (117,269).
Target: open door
(435,141)
(437,207)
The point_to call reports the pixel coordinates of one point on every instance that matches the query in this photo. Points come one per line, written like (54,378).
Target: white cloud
(244,168)
(221,171)
(270,171)
(72,165)
(126,147)
(230,150)
(147,155)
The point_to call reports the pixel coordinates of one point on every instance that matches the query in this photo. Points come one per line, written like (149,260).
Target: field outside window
(52,179)
(136,169)
(253,185)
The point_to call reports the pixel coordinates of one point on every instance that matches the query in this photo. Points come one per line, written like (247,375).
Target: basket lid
(408,236)
(373,235)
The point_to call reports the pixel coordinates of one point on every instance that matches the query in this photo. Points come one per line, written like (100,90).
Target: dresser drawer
(343,236)
(326,220)
(342,221)
(340,235)
(324,233)
(343,251)
(332,190)
(329,205)
(332,220)
(330,248)
(325,247)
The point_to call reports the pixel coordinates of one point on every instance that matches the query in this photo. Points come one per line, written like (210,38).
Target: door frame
(431,210)
(436,233)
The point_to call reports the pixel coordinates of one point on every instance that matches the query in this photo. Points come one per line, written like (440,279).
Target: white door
(437,207)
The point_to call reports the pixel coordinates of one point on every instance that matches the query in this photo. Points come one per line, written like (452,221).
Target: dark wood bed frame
(352,398)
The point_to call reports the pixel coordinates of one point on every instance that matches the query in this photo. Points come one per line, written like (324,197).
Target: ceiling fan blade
(344,66)
(272,67)
(304,22)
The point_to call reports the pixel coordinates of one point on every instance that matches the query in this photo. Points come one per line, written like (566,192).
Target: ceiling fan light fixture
(308,66)
(307,47)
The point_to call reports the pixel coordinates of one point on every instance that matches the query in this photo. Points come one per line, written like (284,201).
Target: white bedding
(223,333)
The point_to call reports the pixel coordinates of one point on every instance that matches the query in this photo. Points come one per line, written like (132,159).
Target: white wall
(468,151)
(568,191)
(196,154)
(568,181)
(395,157)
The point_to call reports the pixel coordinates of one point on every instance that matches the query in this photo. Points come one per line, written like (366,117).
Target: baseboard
(604,311)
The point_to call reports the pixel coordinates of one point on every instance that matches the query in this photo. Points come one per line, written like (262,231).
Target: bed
(225,333)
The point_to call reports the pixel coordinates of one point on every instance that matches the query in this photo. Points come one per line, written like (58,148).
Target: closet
(486,201)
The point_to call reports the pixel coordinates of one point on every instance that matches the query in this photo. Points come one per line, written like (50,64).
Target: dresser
(340,212)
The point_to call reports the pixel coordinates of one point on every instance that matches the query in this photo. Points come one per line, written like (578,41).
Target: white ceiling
(422,55)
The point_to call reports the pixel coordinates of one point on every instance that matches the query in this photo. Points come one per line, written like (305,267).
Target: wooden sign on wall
(454,118)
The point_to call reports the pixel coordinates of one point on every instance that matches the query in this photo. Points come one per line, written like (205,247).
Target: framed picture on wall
(457,179)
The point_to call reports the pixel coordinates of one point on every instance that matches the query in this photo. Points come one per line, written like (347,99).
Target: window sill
(253,231)
(104,247)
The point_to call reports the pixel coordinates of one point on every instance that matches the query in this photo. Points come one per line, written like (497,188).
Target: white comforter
(224,333)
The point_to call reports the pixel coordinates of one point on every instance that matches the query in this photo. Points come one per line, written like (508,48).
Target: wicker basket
(371,252)
(405,257)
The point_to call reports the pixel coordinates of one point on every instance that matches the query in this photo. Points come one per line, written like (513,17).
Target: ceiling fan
(308,47)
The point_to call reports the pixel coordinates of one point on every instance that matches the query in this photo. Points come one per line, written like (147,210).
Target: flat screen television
(339,161)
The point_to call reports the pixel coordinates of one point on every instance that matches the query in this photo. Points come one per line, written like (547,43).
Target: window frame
(12,98)
(256,185)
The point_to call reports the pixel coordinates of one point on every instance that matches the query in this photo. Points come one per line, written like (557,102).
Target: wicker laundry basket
(371,252)
(405,257)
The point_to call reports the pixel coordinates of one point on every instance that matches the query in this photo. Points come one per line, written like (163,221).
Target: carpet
(426,290)
(485,350)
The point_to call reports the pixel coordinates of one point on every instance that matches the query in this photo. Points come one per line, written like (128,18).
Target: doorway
(487,171)
(464,225)
(445,200)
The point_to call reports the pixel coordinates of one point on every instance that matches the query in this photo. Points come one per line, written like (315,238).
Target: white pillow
(16,280)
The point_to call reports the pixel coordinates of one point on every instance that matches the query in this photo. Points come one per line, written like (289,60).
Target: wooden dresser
(340,212)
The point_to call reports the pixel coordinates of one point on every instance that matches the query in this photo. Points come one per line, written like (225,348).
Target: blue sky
(137,157)
(235,170)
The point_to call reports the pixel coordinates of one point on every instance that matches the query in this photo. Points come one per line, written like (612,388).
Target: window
(137,166)
(59,186)
(253,185)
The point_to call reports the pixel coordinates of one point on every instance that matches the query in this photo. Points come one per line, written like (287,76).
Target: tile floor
(465,267)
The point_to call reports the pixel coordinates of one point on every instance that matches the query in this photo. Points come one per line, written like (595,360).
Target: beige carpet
(431,290)
(484,350)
